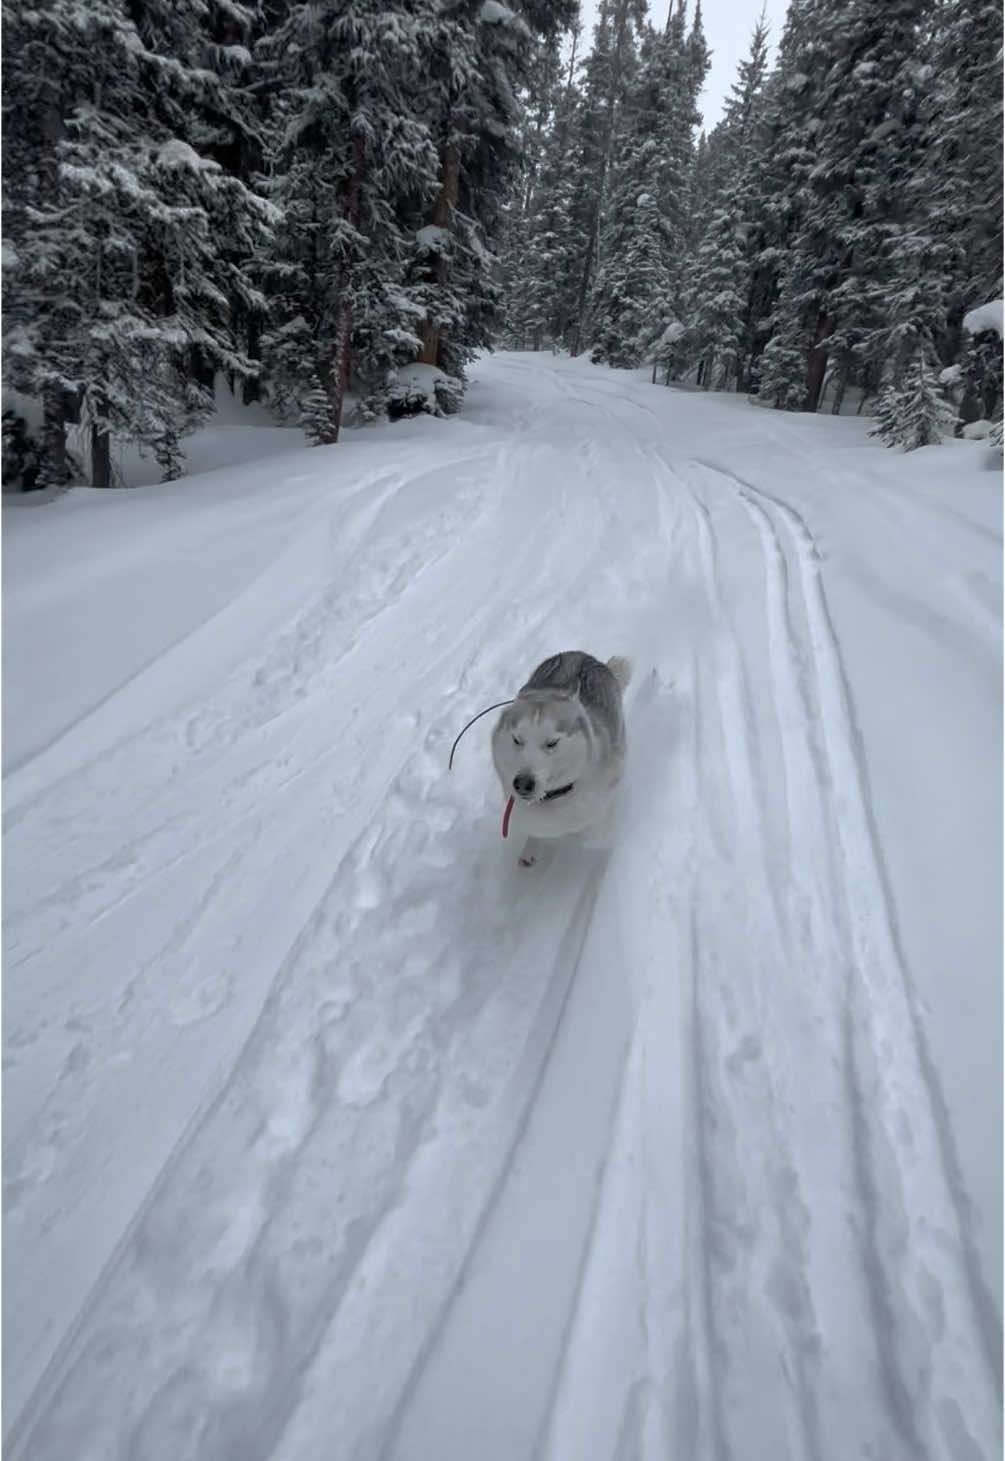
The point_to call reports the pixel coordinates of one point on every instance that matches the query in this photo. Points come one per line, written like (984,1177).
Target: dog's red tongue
(509,808)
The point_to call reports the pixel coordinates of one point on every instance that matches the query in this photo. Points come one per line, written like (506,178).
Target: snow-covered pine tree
(355,167)
(864,119)
(211,104)
(637,288)
(558,233)
(546,83)
(120,230)
(913,410)
(61,260)
(715,308)
(896,297)
(632,289)
(316,414)
(964,172)
(957,191)
(780,199)
(979,367)
(731,145)
(687,122)
(607,74)
(720,277)
(480,57)
(527,264)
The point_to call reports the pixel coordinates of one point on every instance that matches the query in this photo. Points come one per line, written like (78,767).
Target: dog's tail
(621,669)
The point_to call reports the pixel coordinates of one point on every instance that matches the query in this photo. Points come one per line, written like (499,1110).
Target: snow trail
(331,1134)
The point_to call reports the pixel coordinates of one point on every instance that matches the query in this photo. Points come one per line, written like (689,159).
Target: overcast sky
(728,27)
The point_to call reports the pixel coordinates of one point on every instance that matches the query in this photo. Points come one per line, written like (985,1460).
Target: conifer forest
(336,206)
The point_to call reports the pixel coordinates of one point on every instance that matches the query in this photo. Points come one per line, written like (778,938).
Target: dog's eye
(517,741)
(550,745)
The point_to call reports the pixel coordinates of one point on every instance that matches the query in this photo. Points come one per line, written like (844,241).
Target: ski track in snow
(643,1155)
(931,1319)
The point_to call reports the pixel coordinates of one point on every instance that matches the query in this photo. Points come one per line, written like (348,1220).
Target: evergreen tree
(316,414)
(529,268)
(825,222)
(481,55)
(355,165)
(912,410)
(867,130)
(637,290)
(716,307)
(555,253)
(963,170)
(123,235)
(607,77)
(957,191)
(633,286)
(719,285)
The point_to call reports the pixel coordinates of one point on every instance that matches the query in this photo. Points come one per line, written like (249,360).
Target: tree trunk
(340,365)
(442,217)
(816,367)
(101,456)
(53,473)
(251,388)
(592,247)
(343,328)
(203,370)
(570,74)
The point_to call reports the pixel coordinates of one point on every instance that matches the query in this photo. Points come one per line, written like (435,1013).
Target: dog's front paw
(531,853)
(527,861)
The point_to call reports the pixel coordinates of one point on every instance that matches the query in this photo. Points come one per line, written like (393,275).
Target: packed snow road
(331,1135)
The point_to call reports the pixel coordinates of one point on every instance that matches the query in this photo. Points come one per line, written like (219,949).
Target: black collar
(550,796)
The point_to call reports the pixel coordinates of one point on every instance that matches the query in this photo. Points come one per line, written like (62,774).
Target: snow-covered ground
(328,1133)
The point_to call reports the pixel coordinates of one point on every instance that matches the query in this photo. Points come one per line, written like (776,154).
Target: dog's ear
(592,687)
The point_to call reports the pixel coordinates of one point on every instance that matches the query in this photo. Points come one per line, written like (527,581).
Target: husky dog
(559,747)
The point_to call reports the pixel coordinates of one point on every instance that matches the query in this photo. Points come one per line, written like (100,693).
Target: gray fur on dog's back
(576,673)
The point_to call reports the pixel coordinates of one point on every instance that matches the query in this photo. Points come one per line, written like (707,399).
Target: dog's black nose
(523,784)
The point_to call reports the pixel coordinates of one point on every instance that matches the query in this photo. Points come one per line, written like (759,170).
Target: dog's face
(541,747)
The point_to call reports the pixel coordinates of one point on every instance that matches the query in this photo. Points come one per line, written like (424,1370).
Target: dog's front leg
(532,850)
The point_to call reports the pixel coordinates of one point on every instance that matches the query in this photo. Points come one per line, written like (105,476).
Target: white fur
(585,755)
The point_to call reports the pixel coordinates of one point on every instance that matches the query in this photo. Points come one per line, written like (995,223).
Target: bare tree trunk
(251,388)
(53,473)
(570,74)
(52,465)
(101,456)
(588,264)
(816,367)
(340,366)
(343,328)
(842,386)
(442,217)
